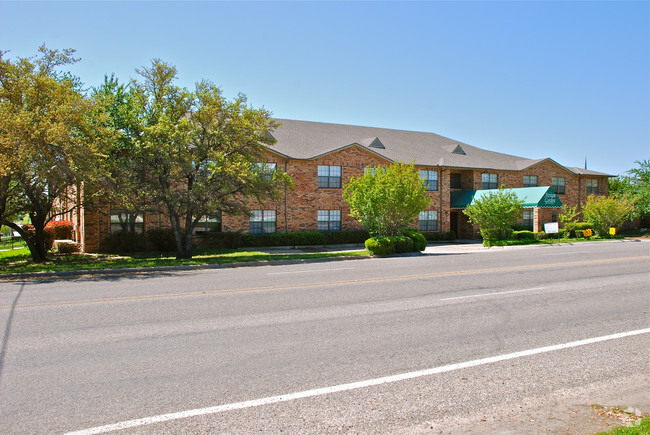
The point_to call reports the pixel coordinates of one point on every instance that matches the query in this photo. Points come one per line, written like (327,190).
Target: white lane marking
(482,295)
(567,253)
(350,386)
(309,271)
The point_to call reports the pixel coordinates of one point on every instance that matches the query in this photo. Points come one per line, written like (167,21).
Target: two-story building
(321,158)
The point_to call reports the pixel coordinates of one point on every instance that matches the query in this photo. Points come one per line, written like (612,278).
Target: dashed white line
(482,295)
(351,386)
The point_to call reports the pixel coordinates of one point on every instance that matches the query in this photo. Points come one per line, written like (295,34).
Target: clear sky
(565,80)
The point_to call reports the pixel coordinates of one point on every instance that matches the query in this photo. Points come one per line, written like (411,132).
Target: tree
(495,213)
(636,187)
(606,212)
(50,138)
(568,217)
(188,154)
(387,200)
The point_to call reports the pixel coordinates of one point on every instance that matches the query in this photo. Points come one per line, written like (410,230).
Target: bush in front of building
(524,235)
(381,245)
(219,240)
(403,244)
(67,247)
(161,239)
(435,236)
(283,239)
(346,236)
(419,241)
(124,242)
(62,229)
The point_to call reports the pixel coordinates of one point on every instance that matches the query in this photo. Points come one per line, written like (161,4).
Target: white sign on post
(551,228)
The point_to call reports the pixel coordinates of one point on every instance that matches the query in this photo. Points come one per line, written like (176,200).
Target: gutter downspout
(286,218)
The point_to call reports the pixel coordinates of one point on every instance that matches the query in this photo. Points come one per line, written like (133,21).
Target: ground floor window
(529,219)
(329,220)
(429,220)
(209,223)
(127,221)
(262,221)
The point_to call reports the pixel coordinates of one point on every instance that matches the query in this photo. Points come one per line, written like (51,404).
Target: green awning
(542,197)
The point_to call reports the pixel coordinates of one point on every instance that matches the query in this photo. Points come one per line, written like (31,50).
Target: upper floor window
(428,220)
(266,170)
(559,185)
(329,177)
(592,186)
(454,180)
(430,179)
(262,221)
(530,180)
(329,220)
(127,221)
(489,181)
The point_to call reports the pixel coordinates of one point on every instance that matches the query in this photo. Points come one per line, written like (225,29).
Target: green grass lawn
(640,427)
(19,260)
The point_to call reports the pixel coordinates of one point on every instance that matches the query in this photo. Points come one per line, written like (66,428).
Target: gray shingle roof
(307,140)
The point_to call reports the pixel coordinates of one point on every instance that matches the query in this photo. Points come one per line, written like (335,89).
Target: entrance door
(453,223)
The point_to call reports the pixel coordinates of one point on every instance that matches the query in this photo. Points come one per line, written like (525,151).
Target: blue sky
(565,80)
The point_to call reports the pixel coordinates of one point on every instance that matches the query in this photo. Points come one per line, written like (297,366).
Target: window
(429,220)
(126,221)
(529,219)
(454,181)
(490,181)
(530,180)
(329,220)
(266,170)
(208,223)
(329,177)
(430,179)
(558,184)
(262,221)
(592,186)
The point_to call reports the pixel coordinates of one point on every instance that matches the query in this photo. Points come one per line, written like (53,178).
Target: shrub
(381,245)
(67,247)
(283,239)
(48,234)
(524,235)
(541,235)
(161,239)
(588,232)
(450,235)
(62,230)
(214,239)
(123,242)
(419,241)
(403,244)
(580,234)
(583,226)
(346,236)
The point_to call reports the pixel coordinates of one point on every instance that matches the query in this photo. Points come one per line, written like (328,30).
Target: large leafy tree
(636,187)
(606,212)
(495,213)
(49,141)
(188,154)
(387,200)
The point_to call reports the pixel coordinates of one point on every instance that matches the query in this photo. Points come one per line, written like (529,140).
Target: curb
(183,268)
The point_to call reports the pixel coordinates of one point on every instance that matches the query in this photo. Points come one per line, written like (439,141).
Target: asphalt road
(84,352)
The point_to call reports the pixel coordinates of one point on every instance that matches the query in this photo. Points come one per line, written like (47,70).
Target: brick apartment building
(322,157)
